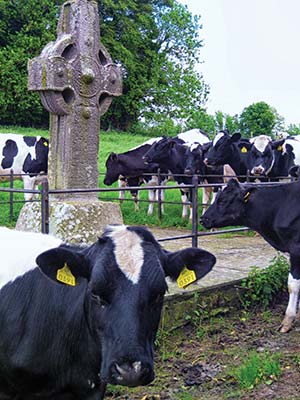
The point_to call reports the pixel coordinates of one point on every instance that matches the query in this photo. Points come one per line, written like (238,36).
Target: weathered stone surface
(74,222)
(76,80)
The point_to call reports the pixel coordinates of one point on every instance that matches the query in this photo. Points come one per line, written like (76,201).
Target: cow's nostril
(134,374)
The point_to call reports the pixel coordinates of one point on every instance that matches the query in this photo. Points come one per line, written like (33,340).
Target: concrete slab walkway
(235,257)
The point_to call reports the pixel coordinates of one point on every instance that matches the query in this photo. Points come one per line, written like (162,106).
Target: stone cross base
(73,222)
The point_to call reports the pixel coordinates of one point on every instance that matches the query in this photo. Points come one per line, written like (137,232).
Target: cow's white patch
(194,146)
(218,137)
(128,251)
(193,136)
(294,288)
(19,251)
(261,142)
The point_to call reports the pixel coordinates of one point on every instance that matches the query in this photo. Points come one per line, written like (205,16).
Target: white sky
(251,53)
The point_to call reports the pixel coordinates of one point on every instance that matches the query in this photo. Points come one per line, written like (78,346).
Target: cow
(27,156)
(231,150)
(194,164)
(81,317)
(273,212)
(129,167)
(286,156)
(171,155)
(193,136)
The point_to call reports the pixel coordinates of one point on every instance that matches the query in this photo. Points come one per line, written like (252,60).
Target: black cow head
(221,150)
(112,169)
(159,150)
(194,160)
(284,158)
(125,272)
(228,207)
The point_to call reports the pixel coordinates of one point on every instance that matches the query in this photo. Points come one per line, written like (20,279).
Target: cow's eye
(99,300)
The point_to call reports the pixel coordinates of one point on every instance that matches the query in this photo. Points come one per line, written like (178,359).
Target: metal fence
(45,192)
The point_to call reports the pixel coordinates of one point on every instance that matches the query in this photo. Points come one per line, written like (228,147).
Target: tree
(293,130)
(155,41)
(258,119)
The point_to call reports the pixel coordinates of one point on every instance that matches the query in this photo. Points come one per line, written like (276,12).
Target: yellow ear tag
(64,275)
(246,197)
(45,144)
(186,277)
(279,148)
(244,149)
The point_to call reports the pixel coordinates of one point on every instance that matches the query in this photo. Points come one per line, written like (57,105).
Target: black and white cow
(90,318)
(194,164)
(272,211)
(287,156)
(24,155)
(171,156)
(231,150)
(129,168)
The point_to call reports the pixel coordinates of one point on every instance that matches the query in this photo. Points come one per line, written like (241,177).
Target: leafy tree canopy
(156,42)
(258,119)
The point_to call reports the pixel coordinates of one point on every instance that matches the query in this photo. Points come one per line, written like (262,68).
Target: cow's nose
(188,171)
(258,170)
(205,161)
(134,374)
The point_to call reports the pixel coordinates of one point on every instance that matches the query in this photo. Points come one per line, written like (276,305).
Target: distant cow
(272,211)
(128,168)
(24,155)
(90,318)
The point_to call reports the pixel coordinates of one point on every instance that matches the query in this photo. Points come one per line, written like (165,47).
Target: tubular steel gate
(45,193)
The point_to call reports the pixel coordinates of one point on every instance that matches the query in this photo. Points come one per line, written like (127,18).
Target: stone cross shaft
(76,80)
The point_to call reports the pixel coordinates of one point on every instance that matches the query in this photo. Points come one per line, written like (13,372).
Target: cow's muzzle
(131,374)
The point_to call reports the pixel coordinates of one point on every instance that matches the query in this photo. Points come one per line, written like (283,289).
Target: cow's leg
(205,198)
(151,197)
(294,288)
(30,184)
(135,196)
(121,184)
(184,199)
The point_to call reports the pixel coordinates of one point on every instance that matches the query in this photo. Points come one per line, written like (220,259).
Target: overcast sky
(251,53)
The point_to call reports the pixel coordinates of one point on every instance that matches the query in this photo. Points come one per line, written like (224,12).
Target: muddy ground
(195,362)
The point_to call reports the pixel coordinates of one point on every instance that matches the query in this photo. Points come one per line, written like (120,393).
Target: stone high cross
(76,80)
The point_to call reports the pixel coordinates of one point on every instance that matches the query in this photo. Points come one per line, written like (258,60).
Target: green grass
(118,143)
(258,367)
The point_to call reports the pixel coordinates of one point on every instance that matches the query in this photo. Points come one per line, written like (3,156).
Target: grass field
(109,141)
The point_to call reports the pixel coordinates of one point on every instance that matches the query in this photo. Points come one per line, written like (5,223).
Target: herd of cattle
(76,318)
(215,161)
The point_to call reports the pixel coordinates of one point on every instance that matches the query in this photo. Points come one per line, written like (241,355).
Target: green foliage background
(156,42)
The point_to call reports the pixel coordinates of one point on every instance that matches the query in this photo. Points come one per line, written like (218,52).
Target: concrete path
(235,257)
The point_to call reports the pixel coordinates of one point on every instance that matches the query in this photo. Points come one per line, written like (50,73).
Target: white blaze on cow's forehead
(261,142)
(128,251)
(194,146)
(19,251)
(218,137)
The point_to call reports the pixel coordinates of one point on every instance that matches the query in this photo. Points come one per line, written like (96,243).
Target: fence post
(195,211)
(45,206)
(159,206)
(11,195)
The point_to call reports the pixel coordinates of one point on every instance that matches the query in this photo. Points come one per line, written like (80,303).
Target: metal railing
(45,192)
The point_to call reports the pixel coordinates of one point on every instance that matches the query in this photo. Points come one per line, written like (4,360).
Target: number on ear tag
(64,275)
(244,149)
(186,277)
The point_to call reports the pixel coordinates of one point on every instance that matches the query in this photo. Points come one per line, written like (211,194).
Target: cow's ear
(277,144)
(113,156)
(198,260)
(244,146)
(64,264)
(235,137)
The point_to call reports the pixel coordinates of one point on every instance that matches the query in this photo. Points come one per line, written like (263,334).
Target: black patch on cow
(10,150)
(40,164)
(29,140)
